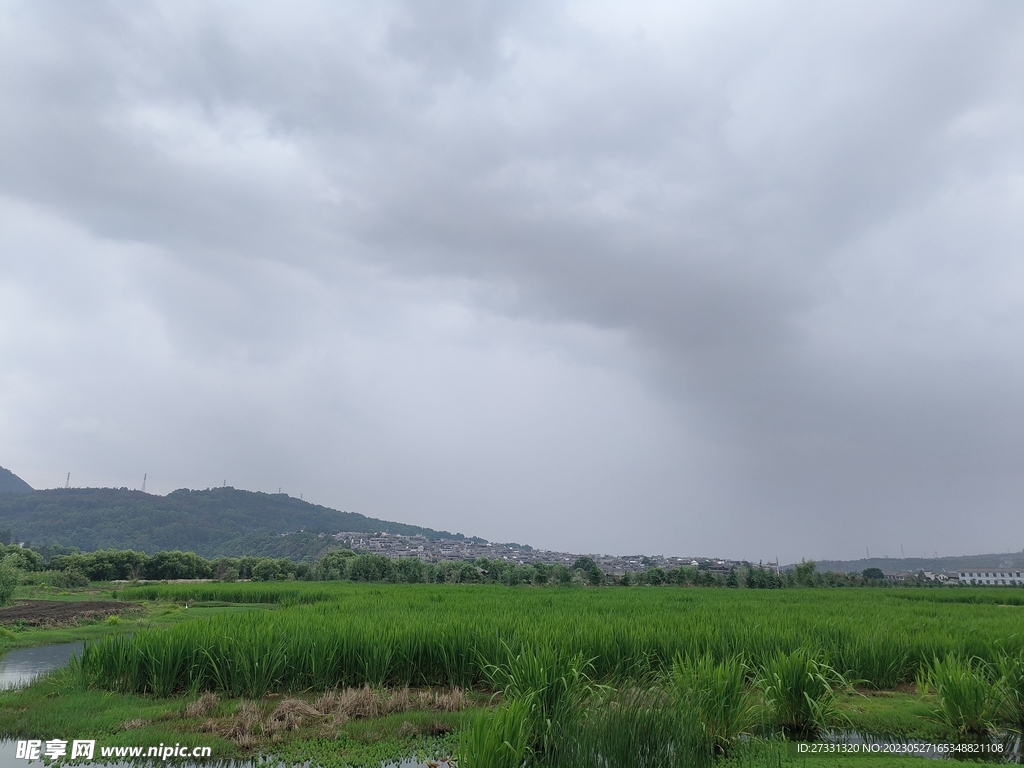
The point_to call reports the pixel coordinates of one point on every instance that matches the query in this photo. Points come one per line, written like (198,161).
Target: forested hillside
(11,483)
(217,521)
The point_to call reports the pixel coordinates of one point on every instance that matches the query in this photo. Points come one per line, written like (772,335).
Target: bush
(70,578)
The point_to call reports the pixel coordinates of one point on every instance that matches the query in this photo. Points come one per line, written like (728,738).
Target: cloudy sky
(736,279)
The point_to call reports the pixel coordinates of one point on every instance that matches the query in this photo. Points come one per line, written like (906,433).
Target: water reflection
(19,668)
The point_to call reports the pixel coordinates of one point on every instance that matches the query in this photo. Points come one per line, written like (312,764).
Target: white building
(992,577)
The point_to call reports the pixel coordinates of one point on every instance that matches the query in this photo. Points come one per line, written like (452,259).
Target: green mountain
(11,483)
(951,563)
(217,521)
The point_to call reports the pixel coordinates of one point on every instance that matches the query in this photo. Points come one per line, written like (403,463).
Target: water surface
(20,667)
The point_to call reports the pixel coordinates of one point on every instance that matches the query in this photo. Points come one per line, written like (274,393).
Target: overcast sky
(734,279)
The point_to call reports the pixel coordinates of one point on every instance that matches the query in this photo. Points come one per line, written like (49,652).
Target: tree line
(76,569)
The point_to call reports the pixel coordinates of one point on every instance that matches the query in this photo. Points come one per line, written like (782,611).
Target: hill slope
(217,521)
(935,564)
(11,483)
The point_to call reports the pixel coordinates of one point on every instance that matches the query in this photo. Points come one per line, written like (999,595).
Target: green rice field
(321,636)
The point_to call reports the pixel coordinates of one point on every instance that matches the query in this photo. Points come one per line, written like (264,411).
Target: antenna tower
(67,483)
(144,475)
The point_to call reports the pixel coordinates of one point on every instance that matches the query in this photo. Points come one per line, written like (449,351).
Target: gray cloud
(725,278)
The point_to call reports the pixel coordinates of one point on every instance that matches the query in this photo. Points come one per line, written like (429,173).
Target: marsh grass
(966,694)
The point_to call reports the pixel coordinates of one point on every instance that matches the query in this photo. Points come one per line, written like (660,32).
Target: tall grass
(555,688)
(717,695)
(967,697)
(1011,691)
(799,688)
(325,635)
(638,728)
(497,738)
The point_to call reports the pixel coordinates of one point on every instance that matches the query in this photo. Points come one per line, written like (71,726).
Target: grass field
(426,635)
(667,677)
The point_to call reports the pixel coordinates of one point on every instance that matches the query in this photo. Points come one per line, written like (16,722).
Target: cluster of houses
(440,550)
(1000,578)
(975,577)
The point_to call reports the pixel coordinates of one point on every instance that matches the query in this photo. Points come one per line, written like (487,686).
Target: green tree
(9,578)
(265,570)
(804,575)
(873,574)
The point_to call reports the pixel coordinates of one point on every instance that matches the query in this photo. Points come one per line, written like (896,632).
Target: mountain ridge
(11,483)
(950,563)
(213,522)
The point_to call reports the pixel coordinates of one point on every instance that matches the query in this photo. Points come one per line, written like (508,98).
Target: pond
(20,667)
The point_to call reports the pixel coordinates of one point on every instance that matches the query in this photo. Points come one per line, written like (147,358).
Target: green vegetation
(11,483)
(1011,687)
(346,729)
(440,635)
(967,699)
(348,673)
(9,577)
(800,690)
(718,695)
(214,522)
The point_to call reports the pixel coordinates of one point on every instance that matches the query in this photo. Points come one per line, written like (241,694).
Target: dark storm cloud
(724,278)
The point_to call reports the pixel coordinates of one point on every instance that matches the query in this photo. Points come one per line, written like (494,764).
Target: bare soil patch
(53,613)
